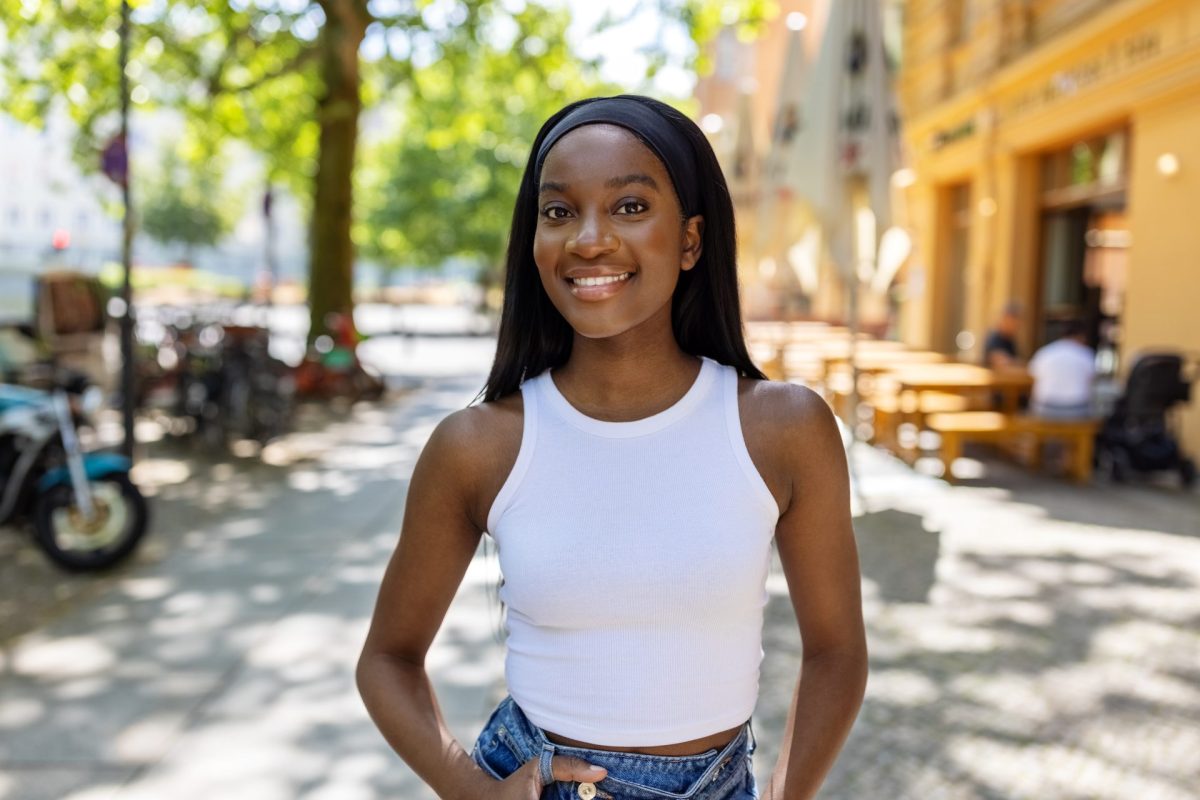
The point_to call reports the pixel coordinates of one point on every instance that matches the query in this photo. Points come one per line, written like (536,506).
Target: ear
(693,242)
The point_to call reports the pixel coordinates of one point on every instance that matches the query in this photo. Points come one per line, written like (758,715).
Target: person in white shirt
(1063,372)
(635,470)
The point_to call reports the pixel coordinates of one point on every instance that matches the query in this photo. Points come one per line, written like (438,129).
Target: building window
(1087,169)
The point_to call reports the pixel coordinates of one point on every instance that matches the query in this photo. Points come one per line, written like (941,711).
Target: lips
(603,280)
(596,285)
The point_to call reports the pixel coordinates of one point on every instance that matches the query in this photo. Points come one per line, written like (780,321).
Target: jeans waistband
(537,745)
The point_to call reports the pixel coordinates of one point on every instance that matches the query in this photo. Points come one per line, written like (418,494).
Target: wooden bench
(993,426)
(888,409)
(891,409)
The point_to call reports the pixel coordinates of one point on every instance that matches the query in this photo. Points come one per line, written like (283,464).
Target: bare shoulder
(787,412)
(476,448)
(788,428)
(471,432)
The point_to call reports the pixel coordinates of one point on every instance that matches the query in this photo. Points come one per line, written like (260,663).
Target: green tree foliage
(286,76)
(233,68)
(185,204)
(283,75)
(445,185)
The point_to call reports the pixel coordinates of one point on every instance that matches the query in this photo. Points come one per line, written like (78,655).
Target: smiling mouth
(597,288)
(603,281)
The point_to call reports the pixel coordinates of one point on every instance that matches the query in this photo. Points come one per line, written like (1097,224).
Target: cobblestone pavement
(1029,639)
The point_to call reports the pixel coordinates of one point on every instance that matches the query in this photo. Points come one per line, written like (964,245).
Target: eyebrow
(625,180)
(611,183)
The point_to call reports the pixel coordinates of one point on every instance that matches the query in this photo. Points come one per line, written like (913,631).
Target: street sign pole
(269,241)
(127,388)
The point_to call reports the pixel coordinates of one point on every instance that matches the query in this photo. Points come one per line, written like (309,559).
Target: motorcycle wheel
(79,545)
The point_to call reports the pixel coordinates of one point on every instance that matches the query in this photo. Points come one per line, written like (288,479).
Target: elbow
(847,665)
(364,672)
(376,669)
(368,673)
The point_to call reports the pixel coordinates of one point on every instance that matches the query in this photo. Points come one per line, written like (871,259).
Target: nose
(592,238)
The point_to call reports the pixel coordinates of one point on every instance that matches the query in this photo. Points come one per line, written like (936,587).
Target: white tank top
(635,558)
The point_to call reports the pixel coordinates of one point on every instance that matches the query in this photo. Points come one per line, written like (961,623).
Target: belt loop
(545,772)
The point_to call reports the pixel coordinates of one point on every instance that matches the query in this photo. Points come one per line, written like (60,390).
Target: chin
(600,331)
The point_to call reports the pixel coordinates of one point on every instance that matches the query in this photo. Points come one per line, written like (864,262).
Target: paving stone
(1028,638)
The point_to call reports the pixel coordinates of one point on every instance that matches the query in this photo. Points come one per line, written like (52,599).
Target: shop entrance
(1085,241)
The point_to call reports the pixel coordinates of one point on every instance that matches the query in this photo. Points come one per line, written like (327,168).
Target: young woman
(633,466)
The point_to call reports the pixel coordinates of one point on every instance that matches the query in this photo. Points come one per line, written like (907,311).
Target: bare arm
(438,539)
(820,561)
(444,515)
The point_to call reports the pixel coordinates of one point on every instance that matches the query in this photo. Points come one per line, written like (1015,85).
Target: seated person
(1063,372)
(1000,347)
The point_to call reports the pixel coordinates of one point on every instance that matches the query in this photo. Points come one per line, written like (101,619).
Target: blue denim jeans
(509,740)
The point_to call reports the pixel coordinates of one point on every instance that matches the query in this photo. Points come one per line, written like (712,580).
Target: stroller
(1136,436)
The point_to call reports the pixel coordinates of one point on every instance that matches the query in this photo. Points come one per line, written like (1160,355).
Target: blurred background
(251,252)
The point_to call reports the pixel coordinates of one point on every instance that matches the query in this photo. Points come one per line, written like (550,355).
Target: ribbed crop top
(635,557)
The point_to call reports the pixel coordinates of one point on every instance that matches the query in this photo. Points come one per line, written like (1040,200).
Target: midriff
(694,747)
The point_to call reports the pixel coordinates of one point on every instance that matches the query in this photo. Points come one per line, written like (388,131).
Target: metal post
(127,388)
(269,242)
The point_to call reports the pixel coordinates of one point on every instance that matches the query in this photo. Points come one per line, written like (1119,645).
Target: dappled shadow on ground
(1151,502)
(1048,659)
(220,663)
(1014,653)
(897,554)
(187,484)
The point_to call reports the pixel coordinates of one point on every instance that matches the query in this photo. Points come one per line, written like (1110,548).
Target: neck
(618,379)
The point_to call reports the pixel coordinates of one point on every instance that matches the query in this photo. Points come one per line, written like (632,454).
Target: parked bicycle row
(202,371)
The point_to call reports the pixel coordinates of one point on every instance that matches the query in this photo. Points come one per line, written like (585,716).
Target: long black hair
(705,313)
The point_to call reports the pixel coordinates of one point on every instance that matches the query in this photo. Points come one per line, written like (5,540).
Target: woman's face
(610,238)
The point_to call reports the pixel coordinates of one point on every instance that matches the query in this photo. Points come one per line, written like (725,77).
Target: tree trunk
(331,252)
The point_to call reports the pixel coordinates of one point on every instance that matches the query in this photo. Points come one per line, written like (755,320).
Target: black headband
(663,138)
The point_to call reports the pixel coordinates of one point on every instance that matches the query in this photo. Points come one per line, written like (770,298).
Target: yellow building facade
(1055,156)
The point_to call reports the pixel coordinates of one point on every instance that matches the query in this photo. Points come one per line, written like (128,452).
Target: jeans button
(587,791)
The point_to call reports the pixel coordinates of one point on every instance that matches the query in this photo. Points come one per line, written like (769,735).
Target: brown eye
(555,212)
(632,207)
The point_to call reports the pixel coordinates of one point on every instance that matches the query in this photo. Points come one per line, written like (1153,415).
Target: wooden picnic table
(962,379)
(782,333)
(873,361)
(882,360)
(817,351)
(808,357)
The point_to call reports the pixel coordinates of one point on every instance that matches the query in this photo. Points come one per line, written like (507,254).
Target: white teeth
(607,279)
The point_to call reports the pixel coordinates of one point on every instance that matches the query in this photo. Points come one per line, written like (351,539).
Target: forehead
(601,150)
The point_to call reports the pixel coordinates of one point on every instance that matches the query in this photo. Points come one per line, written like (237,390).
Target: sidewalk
(1028,639)
(222,664)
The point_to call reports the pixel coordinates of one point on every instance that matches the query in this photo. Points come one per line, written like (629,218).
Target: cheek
(545,253)
(545,257)
(662,244)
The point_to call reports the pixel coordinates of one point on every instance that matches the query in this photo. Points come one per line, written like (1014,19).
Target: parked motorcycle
(86,512)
